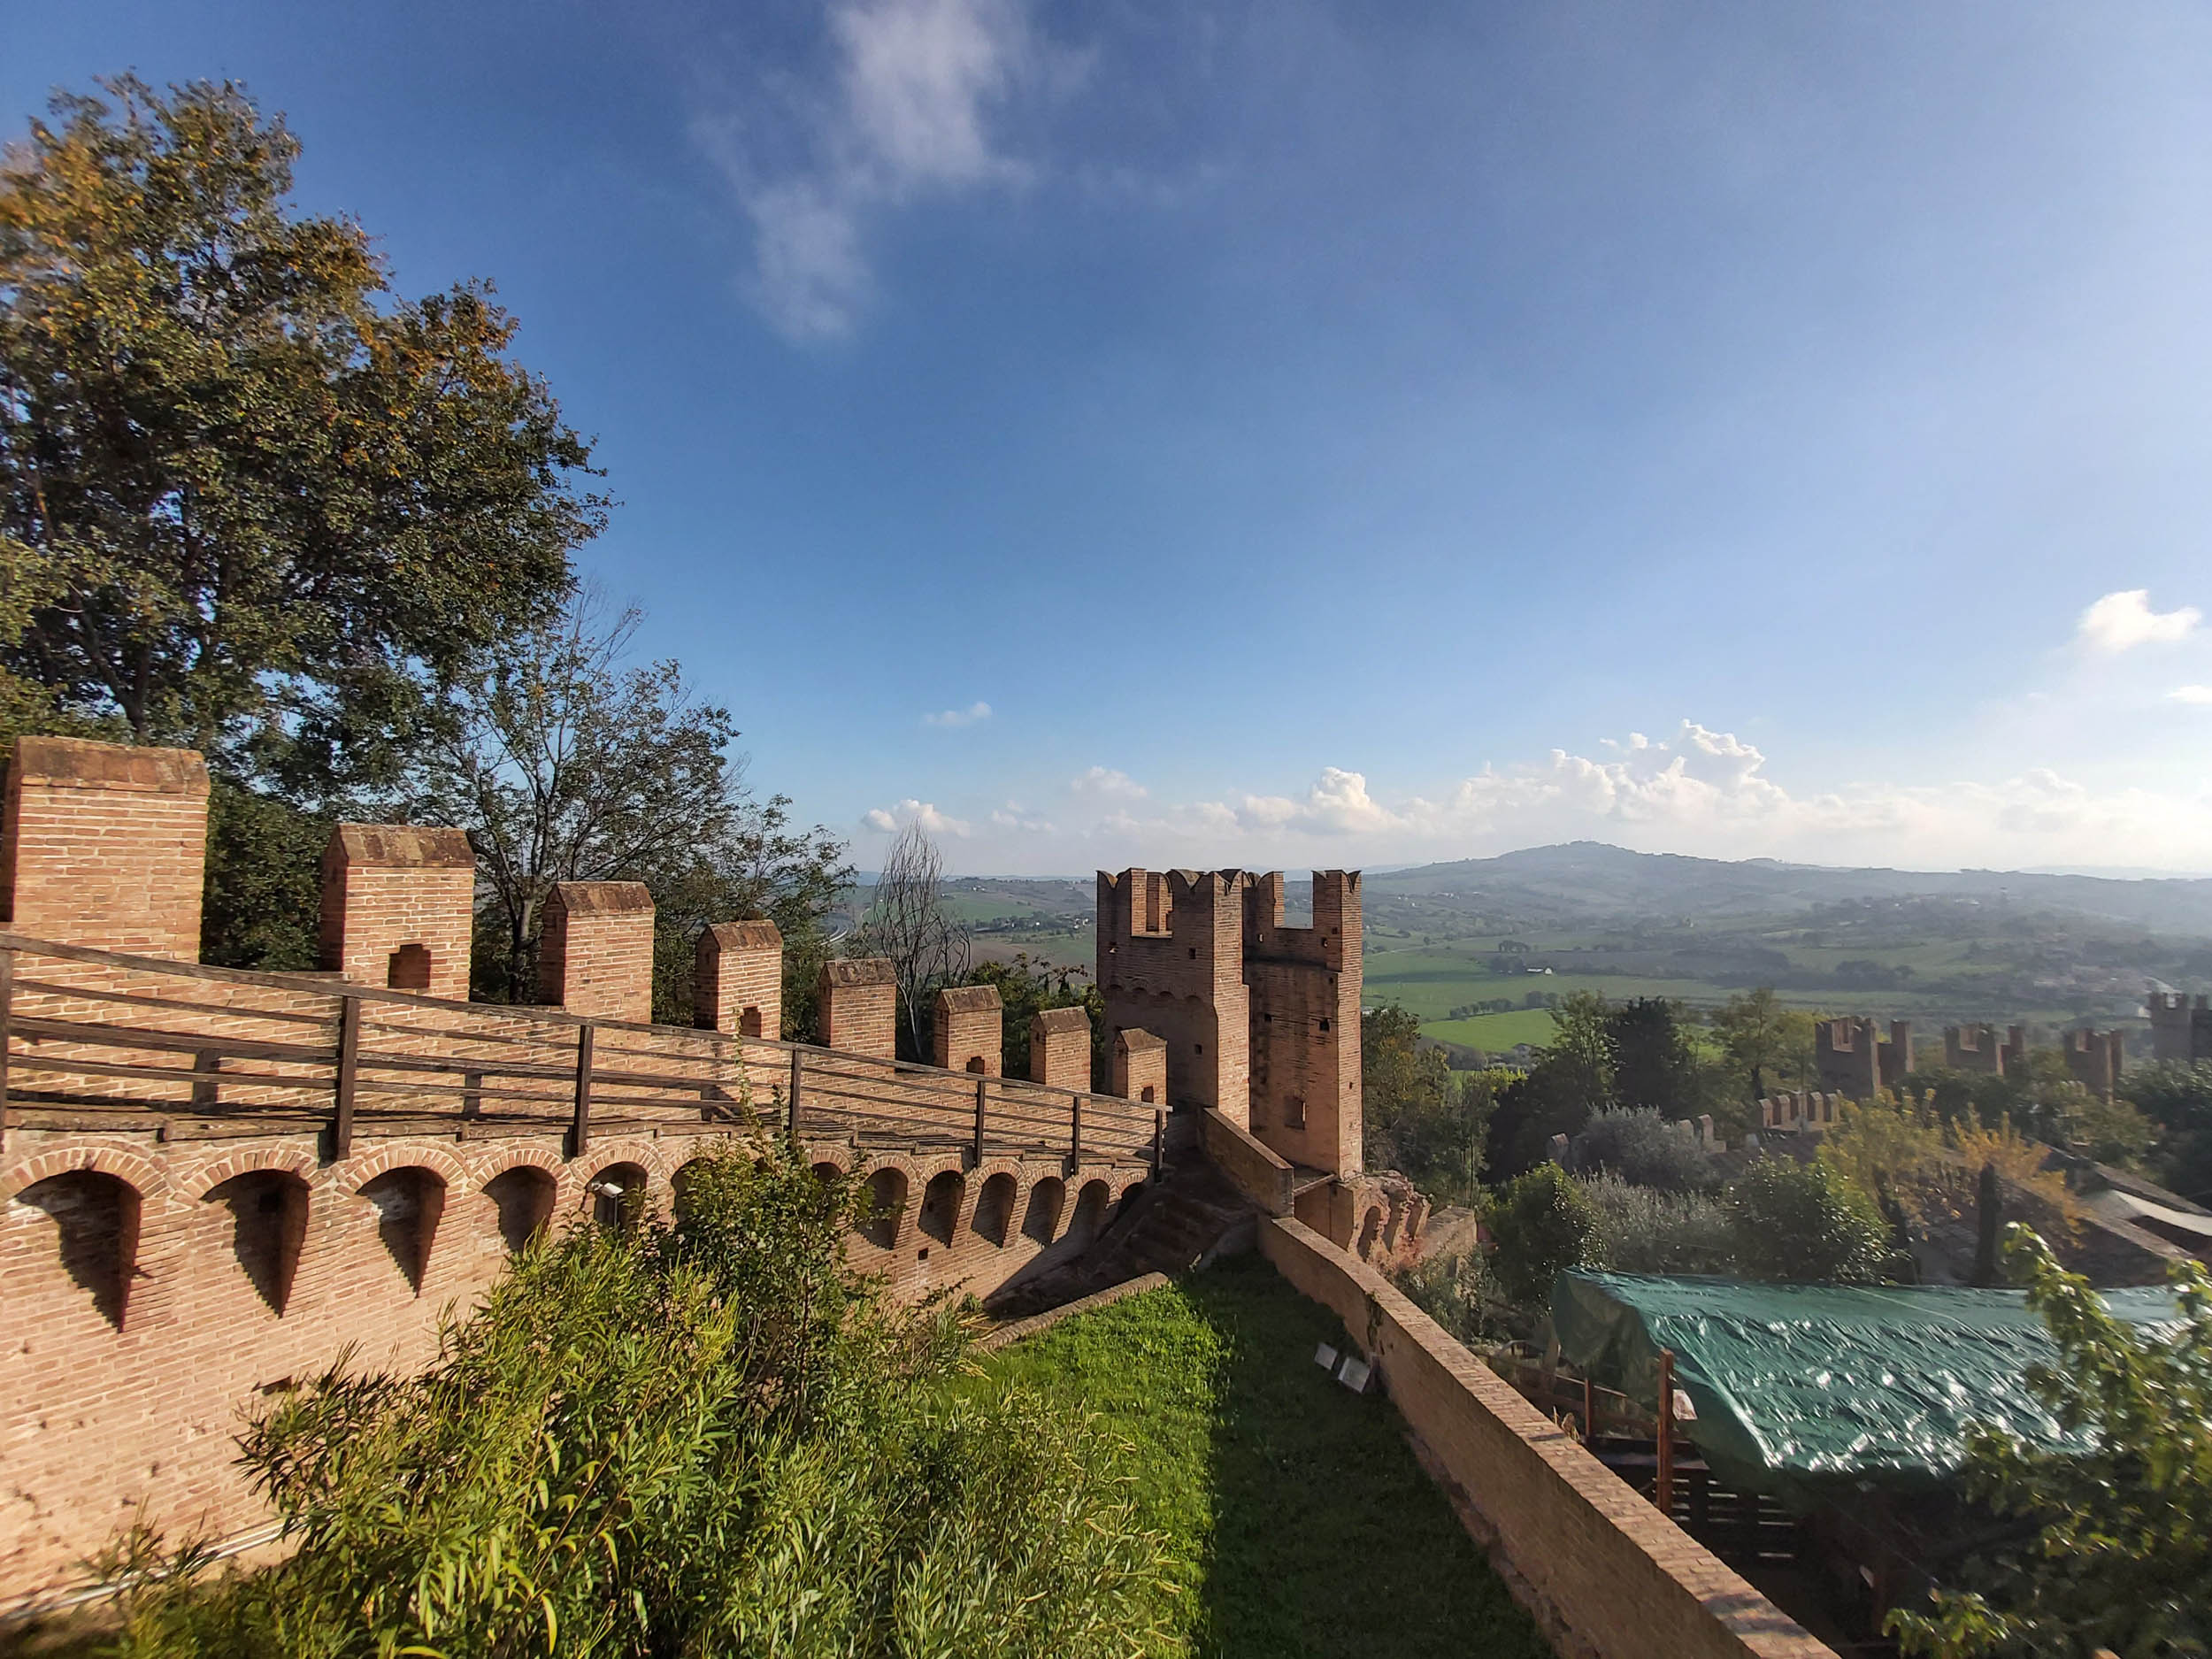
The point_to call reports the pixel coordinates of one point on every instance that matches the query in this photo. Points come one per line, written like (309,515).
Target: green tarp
(1804,1384)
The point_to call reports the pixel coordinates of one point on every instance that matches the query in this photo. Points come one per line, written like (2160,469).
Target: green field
(1494,1033)
(1295,1520)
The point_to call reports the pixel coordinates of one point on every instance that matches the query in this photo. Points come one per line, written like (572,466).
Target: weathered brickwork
(1851,1058)
(2181,1029)
(595,955)
(737,981)
(211,1181)
(2094,1058)
(399,907)
(859,1004)
(1060,1049)
(1261,1020)
(1304,987)
(160,1290)
(105,845)
(1140,1067)
(969,1031)
(1978,1048)
(1170,961)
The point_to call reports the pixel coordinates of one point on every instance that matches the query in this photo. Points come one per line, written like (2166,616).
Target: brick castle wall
(737,979)
(399,907)
(595,955)
(105,845)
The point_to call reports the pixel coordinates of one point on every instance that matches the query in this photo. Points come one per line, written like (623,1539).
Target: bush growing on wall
(1642,1230)
(703,1438)
(1642,1148)
(1545,1224)
(1803,1222)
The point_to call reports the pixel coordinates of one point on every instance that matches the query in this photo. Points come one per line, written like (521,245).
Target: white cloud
(916,86)
(1104,782)
(889,820)
(968,716)
(1338,804)
(1699,790)
(1014,816)
(2199,694)
(2122,621)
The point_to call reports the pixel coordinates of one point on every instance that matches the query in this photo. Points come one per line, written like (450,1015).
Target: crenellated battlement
(213,1180)
(1260,1020)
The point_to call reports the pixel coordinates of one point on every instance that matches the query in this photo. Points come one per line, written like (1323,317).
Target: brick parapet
(1060,1048)
(399,907)
(595,951)
(968,1033)
(97,1420)
(737,979)
(1610,1574)
(105,845)
(858,1000)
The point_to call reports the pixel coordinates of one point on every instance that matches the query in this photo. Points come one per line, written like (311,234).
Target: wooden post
(579,1131)
(1159,1141)
(791,1102)
(1075,1135)
(471,1094)
(207,1093)
(7,1005)
(1589,1410)
(347,1071)
(1665,1492)
(982,1094)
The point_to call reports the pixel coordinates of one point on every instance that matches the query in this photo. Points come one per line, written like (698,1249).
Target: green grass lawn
(1296,1517)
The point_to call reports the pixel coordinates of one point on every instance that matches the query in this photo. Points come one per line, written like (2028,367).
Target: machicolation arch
(268,1209)
(96,1218)
(524,1198)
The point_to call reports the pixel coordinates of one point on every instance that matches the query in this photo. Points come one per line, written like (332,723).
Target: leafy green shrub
(1642,1230)
(1459,1293)
(1545,1224)
(703,1438)
(1641,1147)
(2111,1547)
(1804,1221)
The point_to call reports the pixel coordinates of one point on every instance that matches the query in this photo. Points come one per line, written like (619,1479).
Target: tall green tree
(1653,1063)
(566,761)
(2110,1542)
(1423,1119)
(250,500)
(1766,1044)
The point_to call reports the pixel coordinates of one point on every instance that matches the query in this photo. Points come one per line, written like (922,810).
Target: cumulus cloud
(916,89)
(1338,804)
(1697,790)
(2122,621)
(1013,815)
(968,716)
(1108,784)
(889,820)
(2198,694)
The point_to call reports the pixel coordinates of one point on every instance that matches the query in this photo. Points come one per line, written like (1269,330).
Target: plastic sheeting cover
(1798,1384)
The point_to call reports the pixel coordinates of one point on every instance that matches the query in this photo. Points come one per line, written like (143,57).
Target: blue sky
(1286,434)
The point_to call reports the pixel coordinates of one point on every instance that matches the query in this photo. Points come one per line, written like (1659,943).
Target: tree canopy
(2109,1547)
(250,500)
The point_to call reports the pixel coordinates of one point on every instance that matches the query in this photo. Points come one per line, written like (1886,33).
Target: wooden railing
(90,1038)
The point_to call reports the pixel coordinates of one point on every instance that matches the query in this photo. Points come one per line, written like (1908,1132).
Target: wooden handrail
(851,1092)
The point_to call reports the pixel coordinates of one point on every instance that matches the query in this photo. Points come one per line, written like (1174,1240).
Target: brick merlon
(78,763)
(858,970)
(401,846)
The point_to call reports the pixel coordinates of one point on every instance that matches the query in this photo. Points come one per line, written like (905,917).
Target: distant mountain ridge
(1598,880)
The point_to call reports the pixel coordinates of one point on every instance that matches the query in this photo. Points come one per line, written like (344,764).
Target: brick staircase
(1169,1228)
